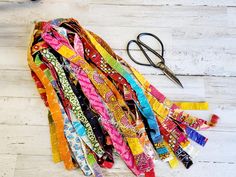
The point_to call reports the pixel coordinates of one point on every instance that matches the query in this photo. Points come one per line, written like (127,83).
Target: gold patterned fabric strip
(54,142)
(89,90)
(106,93)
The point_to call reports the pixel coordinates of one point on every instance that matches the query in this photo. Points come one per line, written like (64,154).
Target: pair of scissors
(161,65)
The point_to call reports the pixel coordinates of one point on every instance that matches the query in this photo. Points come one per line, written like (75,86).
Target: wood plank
(34,140)
(227,121)
(42,165)
(215,149)
(206,49)
(13,58)
(158,16)
(168,2)
(180,61)
(145,2)
(35,113)
(24,139)
(198,169)
(7,165)
(231,12)
(19,34)
(200,36)
(28,12)
(18,87)
(107,15)
(22,111)
(20,84)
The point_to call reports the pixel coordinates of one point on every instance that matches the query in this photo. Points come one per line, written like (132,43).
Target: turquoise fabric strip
(144,106)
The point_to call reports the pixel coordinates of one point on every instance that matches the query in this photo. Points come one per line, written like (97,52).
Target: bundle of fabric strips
(100,106)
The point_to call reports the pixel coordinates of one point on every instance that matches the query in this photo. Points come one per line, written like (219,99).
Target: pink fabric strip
(97,104)
(199,124)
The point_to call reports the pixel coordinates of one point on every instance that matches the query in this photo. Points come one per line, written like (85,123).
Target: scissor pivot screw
(161,65)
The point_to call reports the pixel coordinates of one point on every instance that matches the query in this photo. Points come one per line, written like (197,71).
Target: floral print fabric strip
(99,104)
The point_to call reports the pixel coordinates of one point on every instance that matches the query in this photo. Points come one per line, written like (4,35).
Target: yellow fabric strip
(67,53)
(157,107)
(54,142)
(192,105)
(108,58)
(182,105)
(112,87)
(111,101)
(174,163)
(140,78)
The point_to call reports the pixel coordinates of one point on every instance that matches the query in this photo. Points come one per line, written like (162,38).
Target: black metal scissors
(161,65)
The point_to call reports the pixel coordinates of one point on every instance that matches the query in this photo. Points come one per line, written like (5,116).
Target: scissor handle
(160,64)
(142,45)
(149,48)
(141,48)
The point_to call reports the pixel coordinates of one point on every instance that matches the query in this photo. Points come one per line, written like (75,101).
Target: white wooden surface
(200,40)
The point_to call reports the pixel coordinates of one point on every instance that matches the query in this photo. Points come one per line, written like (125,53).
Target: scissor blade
(171,76)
